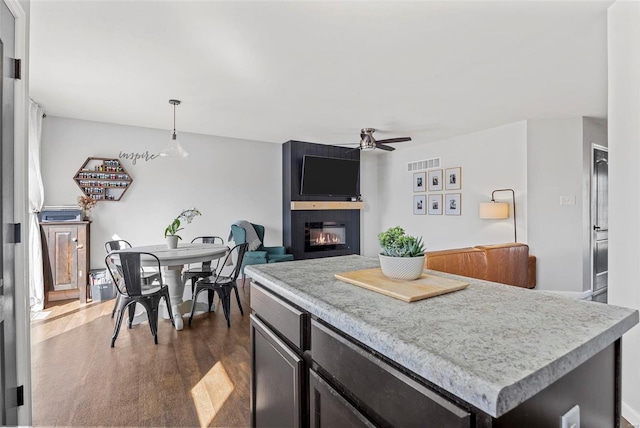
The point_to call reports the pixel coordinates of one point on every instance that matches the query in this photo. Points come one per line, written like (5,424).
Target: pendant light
(174,149)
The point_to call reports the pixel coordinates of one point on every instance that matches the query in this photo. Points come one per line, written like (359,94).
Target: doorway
(600,220)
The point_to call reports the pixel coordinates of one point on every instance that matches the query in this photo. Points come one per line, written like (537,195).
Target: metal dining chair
(128,276)
(222,284)
(205,269)
(149,277)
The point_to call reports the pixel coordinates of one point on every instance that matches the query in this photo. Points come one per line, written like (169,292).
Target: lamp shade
(494,210)
(174,149)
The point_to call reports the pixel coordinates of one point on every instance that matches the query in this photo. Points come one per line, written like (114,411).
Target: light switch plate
(571,419)
(568,200)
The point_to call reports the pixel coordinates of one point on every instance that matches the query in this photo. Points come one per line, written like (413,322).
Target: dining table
(172,262)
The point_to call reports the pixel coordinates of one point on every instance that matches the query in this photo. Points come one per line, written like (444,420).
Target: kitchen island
(488,355)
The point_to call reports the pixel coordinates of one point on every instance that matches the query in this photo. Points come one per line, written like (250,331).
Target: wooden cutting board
(422,288)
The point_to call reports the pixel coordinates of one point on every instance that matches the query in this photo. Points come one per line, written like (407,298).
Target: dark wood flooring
(199,376)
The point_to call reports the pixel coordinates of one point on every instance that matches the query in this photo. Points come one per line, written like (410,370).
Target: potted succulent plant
(402,256)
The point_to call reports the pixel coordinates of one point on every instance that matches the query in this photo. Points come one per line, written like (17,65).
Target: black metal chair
(222,284)
(127,274)
(205,269)
(149,277)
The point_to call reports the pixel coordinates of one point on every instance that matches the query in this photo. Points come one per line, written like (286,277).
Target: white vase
(405,268)
(172,242)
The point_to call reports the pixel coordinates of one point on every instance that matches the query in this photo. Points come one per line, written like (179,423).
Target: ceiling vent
(423,164)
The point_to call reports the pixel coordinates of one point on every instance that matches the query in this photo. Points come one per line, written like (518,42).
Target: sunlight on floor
(35,316)
(64,316)
(210,394)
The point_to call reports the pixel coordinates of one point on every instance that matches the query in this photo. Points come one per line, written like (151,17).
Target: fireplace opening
(322,236)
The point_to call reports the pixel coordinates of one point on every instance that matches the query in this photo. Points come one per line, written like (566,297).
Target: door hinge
(20,395)
(17,68)
(17,233)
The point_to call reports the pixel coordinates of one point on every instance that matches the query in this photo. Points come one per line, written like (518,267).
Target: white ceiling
(319,71)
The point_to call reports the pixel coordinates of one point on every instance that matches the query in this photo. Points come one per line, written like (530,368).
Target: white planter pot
(172,242)
(406,268)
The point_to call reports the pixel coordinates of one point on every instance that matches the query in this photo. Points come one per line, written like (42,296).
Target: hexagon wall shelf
(103,179)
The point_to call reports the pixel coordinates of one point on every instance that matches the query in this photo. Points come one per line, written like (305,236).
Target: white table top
(184,254)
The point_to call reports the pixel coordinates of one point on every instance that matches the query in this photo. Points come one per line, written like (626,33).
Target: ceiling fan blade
(383,147)
(394,140)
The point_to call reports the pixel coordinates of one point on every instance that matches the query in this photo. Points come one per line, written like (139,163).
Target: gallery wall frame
(453,204)
(453,178)
(434,180)
(419,181)
(419,205)
(434,204)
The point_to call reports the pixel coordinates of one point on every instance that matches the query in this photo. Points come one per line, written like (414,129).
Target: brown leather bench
(505,263)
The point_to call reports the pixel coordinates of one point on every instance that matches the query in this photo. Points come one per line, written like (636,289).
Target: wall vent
(423,164)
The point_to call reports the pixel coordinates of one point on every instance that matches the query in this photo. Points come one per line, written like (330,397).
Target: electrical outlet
(571,419)
(568,200)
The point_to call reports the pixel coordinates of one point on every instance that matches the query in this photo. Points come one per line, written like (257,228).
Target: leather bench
(504,263)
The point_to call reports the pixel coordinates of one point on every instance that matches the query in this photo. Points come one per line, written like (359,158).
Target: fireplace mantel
(326,205)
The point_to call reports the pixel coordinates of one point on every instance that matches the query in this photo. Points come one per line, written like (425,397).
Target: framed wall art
(453,178)
(434,180)
(434,204)
(419,180)
(419,205)
(453,204)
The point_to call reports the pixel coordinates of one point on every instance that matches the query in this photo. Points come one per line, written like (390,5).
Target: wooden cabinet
(328,408)
(103,179)
(65,253)
(360,375)
(277,365)
(306,372)
(276,387)
(286,342)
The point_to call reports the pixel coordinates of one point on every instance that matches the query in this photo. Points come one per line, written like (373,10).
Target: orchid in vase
(171,232)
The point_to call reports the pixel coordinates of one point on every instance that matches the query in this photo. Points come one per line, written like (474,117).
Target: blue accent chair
(262,254)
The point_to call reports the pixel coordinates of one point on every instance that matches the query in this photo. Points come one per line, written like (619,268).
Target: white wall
(369,216)
(490,159)
(624,186)
(226,179)
(555,169)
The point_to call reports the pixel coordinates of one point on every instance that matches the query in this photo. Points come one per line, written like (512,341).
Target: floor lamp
(499,210)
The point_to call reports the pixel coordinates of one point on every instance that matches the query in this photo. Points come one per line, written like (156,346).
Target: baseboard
(581,295)
(630,415)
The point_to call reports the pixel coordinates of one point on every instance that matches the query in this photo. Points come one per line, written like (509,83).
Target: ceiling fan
(367,142)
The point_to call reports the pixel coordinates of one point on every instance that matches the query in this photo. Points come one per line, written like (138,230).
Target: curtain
(36,201)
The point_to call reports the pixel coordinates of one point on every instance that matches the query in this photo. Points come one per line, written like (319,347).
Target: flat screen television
(324,176)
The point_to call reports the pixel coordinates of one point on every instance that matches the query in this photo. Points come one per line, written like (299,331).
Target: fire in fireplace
(321,236)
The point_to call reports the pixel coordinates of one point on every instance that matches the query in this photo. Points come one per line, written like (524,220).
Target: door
(62,242)
(8,373)
(276,380)
(600,217)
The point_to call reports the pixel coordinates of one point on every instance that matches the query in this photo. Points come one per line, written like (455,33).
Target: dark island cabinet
(306,372)
(276,387)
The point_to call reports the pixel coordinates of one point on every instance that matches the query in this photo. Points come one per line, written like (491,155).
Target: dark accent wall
(292,155)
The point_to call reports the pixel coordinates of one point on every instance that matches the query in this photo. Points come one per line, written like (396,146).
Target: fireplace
(312,232)
(325,236)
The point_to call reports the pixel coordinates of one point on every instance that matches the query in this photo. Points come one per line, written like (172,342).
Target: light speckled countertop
(492,345)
